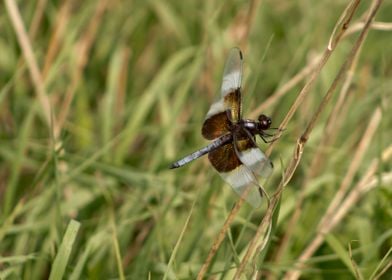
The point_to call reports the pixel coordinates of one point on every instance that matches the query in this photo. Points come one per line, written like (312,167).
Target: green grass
(85,189)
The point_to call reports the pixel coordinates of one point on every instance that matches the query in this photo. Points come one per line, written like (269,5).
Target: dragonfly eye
(265,122)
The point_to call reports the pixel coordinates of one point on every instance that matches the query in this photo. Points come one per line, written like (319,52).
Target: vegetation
(97,98)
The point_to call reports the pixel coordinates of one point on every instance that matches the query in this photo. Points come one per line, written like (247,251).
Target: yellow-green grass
(97,98)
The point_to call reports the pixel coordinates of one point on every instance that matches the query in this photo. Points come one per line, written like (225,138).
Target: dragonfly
(233,150)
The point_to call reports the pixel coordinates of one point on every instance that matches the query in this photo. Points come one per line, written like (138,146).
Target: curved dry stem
(255,246)
(37,18)
(357,159)
(56,37)
(27,50)
(338,31)
(309,68)
(82,51)
(377,25)
(369,181)
(316,164)
(218,240)
(285,88)
(251,252)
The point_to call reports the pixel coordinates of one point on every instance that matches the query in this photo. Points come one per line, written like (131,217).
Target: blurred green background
(129,83)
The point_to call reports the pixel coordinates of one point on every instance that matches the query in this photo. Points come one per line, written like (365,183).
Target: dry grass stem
(37,18)
(327,224)
(383,271)
(342,24)
(286,87)
(347,64)
(358,274)
(81,53)
(381,26)
(316,164)
(364,143)
(293,164)
(57,35)
(335,37)
(355,163)
(332,122)
(369,181)
(218,240)
(252,251)
(257,243)
(253,8)
(27,50)
(122,82)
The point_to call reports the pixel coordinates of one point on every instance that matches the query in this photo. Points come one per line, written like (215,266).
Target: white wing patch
(231,81)
(216,108)
(232,74)
(257,161)
(242,179)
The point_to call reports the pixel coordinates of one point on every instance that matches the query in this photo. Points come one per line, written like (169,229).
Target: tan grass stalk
(57,35)
(27,50)
(241,26)
(37,18)
(250,17)
(355,163)
(316,164)
(358,274)
(377,25)
(218,240)
(369,181)
(254,248)
(383,271)
(330,128)
(339,29)
(286,87)
(122,82)
(81,53)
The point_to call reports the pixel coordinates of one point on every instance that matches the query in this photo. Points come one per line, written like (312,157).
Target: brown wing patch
(215,126)
(224,159)
(232,102)
(244,144)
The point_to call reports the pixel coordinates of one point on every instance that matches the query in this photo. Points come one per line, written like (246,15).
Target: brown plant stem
(310,249)
(343,23)
(316,164)
(81,52)
(27,50)
(253,248)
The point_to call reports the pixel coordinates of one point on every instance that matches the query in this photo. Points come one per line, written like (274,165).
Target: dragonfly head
(264,122)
